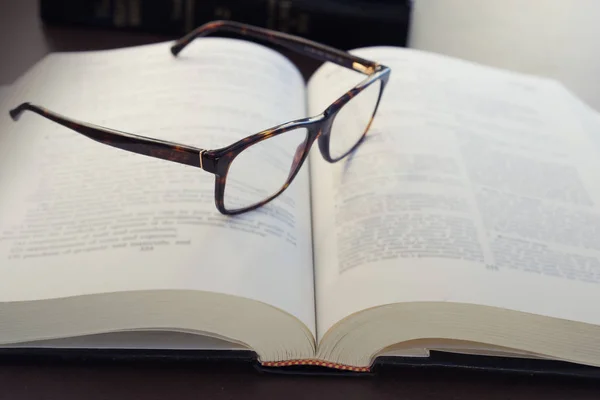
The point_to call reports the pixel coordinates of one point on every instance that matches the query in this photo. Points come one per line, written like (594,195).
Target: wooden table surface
(23,41)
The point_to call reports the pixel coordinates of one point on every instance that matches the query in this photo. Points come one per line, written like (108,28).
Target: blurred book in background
(341,23)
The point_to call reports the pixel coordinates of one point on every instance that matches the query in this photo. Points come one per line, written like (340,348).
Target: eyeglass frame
(218,161)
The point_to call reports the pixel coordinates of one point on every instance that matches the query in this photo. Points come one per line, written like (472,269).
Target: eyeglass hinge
(363,68)
(200,155)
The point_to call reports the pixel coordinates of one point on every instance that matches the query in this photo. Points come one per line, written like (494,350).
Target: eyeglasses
(255,170)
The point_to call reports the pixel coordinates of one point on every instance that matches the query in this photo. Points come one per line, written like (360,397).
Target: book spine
(341,23)
(315,363)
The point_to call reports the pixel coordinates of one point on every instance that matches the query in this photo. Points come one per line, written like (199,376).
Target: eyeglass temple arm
(303,46)
(121,140)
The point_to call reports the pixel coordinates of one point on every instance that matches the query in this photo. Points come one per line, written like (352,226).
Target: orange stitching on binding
(315,362)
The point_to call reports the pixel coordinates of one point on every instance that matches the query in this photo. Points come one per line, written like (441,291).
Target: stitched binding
(317,363)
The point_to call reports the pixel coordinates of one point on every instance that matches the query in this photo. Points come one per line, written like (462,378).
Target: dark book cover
(247,360)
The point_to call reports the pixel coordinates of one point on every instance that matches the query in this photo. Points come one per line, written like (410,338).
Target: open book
(468,221)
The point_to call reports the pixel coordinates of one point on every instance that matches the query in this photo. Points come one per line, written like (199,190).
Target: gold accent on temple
(362,68)
(201,153)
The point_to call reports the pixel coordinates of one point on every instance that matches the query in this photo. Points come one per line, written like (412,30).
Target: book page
(79,217)
(515,35)
(4,89)
(474,185)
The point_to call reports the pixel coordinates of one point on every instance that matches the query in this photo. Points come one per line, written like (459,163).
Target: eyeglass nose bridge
(314,128)
(318,128)
(324,132)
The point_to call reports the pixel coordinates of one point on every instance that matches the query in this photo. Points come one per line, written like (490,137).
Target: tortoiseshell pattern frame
(217,161)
